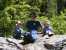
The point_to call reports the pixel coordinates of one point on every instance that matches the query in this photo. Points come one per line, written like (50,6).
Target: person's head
(46,23)
(18,23)
(33,17)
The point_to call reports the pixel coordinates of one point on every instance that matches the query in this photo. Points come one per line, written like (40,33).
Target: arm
(40,26)
(27,25)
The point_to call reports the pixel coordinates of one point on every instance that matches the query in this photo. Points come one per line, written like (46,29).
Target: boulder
(56,42)
(6,44)
(38,45)
(34,47)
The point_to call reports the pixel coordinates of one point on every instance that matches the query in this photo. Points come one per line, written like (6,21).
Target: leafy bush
(59,24)
(13,10)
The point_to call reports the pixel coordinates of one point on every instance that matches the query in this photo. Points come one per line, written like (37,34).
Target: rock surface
(56,42)
(8,45)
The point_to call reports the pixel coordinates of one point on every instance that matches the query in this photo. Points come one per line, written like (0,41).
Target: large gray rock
(7,44)
(56,42)
(35,47)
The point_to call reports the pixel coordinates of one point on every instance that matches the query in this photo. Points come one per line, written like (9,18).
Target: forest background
(13,10)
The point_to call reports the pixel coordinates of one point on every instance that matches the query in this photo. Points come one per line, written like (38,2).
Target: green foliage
(13,10)
(42,18)
(59,24)
(52,7)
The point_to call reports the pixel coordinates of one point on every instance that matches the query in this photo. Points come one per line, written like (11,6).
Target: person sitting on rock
(47,30)
(32,26)
(18,30)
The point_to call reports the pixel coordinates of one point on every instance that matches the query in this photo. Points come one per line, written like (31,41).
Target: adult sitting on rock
(32,26)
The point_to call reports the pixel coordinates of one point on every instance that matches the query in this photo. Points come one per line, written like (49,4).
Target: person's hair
(18,22)
(33,14)
(46,22)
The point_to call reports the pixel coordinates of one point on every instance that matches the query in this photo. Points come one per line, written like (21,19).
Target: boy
(18,30)
(47,30)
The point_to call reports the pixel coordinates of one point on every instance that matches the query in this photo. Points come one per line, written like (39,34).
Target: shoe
(46,37)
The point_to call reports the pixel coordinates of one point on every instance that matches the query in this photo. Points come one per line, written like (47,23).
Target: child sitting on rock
(47,30)
(18,30)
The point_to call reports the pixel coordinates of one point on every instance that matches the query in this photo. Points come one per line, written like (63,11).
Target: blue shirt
(47,29)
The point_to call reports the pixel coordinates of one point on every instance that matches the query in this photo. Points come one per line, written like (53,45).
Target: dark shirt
(33,25)
(17,29)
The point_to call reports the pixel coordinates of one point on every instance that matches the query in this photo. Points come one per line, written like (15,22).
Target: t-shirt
(33,25)
(47,29)
(17,30)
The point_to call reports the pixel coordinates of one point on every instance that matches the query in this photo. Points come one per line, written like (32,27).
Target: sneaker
(46,37)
